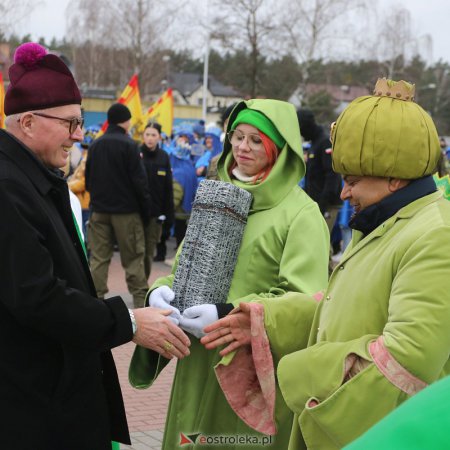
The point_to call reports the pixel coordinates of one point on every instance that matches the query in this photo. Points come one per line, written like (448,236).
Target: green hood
(289,168)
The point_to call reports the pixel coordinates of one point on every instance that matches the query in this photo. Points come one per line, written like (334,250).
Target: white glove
(161,298)
(195,318)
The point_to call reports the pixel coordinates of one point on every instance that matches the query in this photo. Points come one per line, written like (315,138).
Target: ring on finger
(168,346)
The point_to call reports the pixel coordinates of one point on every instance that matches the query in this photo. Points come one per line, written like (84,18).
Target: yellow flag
(2,102)
(131,98)
(162,112)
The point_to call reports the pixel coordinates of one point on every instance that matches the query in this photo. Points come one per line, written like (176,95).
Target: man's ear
(26,123)
(396,184)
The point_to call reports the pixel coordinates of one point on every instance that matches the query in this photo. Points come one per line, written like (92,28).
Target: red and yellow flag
(162,112)
(2,102)
(131,98)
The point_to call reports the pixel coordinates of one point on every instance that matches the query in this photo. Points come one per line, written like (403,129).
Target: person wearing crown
(380,332)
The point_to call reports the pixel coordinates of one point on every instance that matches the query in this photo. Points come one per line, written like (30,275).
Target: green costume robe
(387,302)
(284,248)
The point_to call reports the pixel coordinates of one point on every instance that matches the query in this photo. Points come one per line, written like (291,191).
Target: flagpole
(205,68)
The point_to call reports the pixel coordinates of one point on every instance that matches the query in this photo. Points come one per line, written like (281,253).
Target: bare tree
(12,13)
(315,28)
(396,43)
(388,36)
(113,40)
(249,25)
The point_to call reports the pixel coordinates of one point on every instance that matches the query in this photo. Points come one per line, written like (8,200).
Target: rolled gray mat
(211,245)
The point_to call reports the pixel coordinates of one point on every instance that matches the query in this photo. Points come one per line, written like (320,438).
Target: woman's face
(250,159)
(151,137)
(208,142)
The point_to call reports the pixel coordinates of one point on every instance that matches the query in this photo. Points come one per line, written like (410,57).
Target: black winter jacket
(322,184)
(159,177)
(58,383)
(115,175)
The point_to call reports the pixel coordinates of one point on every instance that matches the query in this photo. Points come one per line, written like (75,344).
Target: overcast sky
(428,17)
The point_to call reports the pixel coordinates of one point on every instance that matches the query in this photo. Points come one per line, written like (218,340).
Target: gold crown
(400,90)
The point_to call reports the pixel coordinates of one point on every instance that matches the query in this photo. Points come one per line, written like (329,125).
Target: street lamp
(166,60)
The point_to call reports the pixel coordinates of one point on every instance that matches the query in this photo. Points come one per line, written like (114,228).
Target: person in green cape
(380,332)
(284,249)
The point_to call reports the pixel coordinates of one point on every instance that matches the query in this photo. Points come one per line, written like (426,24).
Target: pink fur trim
(392,369)
(318,296)
(248,382)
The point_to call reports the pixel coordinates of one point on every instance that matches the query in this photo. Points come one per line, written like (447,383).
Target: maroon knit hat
(39,80)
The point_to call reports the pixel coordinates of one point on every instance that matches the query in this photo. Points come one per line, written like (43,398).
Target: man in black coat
(59,388)
(120,205)
(322,184)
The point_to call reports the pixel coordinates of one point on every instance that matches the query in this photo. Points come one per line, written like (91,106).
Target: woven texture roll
(211,245)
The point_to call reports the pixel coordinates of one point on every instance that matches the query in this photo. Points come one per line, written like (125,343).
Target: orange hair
(272,153)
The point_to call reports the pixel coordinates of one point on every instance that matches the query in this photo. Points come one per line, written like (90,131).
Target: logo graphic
(220,441)
(188,439)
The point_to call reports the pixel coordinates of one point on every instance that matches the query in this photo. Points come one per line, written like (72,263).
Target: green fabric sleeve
(146,365)
(287,321)
(344,410)
(417,332)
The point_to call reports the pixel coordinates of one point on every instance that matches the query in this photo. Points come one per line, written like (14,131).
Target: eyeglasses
(74,122)
(254,141)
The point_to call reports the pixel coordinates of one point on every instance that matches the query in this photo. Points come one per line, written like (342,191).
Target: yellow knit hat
(386,135)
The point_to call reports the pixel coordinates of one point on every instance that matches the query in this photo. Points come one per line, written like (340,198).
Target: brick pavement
(146,409)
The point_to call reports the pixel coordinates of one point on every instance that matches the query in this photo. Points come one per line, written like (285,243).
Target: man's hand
(161,298)
(233,329)
(195,318)
(156,332)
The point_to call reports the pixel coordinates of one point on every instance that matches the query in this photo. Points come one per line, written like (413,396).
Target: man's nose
(78,134)
(345,193)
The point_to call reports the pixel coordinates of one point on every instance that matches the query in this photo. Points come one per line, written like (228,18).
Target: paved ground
(146,409)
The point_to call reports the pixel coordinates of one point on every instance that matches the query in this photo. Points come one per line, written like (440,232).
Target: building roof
(187,83)
(108,94)
(341,93)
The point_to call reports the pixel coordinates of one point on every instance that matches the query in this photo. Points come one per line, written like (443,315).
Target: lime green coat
(393,283)
(284,248)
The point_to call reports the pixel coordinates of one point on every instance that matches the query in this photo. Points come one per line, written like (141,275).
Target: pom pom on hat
(29,54)
(39,80)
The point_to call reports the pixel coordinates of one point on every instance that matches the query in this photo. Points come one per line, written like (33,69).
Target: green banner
(443,183)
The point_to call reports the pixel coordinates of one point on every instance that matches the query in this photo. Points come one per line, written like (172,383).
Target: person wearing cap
(58,383)
(121,205)
(380,333)
(159,176)
(284,249)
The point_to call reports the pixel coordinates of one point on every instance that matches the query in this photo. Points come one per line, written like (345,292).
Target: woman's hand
(233,329)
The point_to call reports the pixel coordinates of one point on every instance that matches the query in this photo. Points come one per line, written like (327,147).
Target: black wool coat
(115,175)
(59,388)
(159,175)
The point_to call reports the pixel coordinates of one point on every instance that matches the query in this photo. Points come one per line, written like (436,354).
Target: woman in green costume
(284,249)
(381,332)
